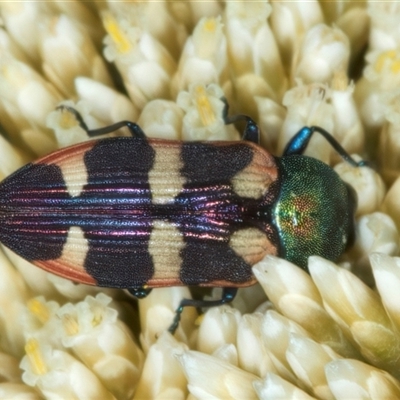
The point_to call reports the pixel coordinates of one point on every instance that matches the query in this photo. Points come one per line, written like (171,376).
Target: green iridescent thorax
(314,214)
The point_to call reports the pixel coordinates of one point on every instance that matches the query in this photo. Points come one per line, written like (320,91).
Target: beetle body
(137,212)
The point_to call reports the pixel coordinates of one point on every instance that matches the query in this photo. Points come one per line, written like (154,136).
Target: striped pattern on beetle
(139,213)
(131,212)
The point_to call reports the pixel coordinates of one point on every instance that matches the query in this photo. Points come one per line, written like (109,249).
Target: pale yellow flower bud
(209,8)
(384,32)
(389,138)
(307,359)
(274,387)
(41,323)
(156,18)
(65,125)
(359,311)
(57,374)
(366,182)
(250,347)
(218,327)
(212,378)
(103,343)
(157,312)
(275,331)
(144,64)
(67,52)
(162,119)
(162,376)
(270,120)
(308,105)
(204,58)
(348,130)
(375,233)
(290,21)
(324,51)
(9,46)
(387,277)
(204,114)
(21,20)
(243,90)
(295,295)
(249,35)
(380,76)
(358,34)
(27,98)
(352,379)
(106,104)
(85,18)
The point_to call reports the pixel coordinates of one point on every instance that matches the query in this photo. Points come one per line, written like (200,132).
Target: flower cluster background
(330,334)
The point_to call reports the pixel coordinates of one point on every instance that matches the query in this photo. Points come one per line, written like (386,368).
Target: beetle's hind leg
(251,131)
(228,294)
(135,129)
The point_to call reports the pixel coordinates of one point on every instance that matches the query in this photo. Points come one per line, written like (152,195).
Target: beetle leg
(251,132)
(300,140)
(135,129)
(228,294)
(140,293)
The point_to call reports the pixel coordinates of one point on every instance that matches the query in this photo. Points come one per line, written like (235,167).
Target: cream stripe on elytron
(165,178)
(165,244)
(75,249)
(251,244)
(255,180)
(75,174)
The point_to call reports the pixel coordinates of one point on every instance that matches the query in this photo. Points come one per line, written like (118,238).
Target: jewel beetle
(139,213)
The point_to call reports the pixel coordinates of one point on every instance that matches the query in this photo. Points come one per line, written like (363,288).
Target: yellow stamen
(97,318)
(35,357)
(210,25)
(396,66)
(204,108)
(386,57)
(120,39)
(39,310)
(70,324)
(67,120)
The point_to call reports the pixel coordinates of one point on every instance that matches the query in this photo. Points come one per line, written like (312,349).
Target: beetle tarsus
(134,129)
(251,131)
(228,294)
(140,293)
(78,116)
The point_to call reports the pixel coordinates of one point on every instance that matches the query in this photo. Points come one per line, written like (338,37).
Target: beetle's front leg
(251,132)
(135,129)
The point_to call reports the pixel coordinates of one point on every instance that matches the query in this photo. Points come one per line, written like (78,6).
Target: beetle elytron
(138,213)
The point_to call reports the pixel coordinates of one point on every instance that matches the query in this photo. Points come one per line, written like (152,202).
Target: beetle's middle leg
(228,294)
(251,131)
